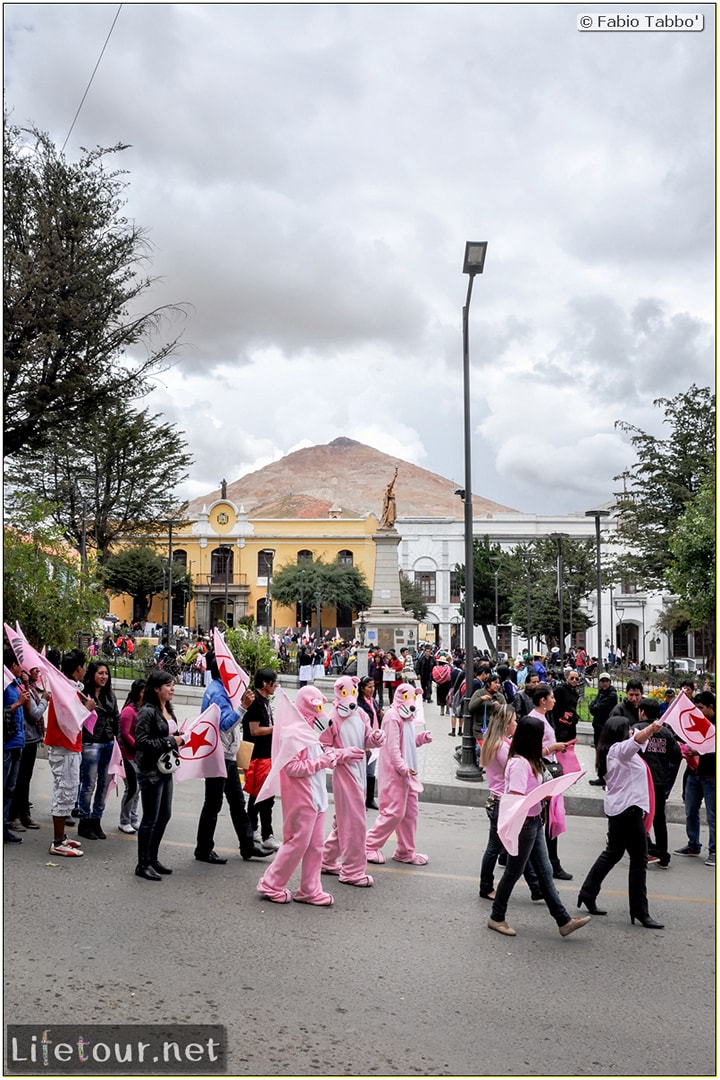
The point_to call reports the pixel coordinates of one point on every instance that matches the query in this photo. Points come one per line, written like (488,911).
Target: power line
(87,88)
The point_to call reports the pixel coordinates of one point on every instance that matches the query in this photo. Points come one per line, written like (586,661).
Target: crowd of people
(524,724)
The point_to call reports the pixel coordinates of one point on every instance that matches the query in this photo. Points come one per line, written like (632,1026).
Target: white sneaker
(270,844)
(126,828)
(70,848)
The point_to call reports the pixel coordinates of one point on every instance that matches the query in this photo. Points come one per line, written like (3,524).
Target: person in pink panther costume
(398,781)
(299,765)
(349,728)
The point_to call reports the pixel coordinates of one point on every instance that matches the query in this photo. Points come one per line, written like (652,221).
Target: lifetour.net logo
(114,1049)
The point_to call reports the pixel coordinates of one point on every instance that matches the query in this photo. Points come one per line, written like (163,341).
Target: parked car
(684,665)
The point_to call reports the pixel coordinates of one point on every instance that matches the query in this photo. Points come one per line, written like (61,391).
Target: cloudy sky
(309,175)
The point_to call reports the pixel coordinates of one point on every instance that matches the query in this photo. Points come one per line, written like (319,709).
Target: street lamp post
(560,537)
(473,264)
(495,563)
(318,606)
(598,514)
(302,601)
(268,555)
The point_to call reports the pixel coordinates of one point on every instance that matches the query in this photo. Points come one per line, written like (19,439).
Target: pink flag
(514,808)
(69,710)
(116,768)
(291,734)
(686,720)
(8,676)
(568,758)
(234,679)
(202,755)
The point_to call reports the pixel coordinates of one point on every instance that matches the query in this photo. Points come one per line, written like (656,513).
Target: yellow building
(230,556)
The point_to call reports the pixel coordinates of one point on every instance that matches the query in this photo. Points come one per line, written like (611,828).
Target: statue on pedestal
(389,510)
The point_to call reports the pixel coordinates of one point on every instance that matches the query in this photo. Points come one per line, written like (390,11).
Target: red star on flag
(229,677)
(197,740)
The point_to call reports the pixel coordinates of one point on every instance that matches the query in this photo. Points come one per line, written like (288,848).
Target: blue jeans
(94,777)
(11,767)
(698,788)
(156,793)
(493,850)
(531,843)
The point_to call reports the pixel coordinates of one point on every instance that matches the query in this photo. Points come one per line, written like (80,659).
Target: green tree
(251,650)
(666,476)
(486,557)
(44,588)
(137,571)
(532,568)
(74,286)
(691,573)
(412,598)
(117,473)
(339,585)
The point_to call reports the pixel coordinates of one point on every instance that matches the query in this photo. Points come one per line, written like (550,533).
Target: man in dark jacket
(629,708)
(662,755)
(565,715)
(424,668)
(600,709)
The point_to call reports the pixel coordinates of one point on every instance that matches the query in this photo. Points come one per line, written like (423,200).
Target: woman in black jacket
(154,737)
(97,748)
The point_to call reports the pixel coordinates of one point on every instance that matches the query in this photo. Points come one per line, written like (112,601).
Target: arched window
(180,557)
(221,564)
(345,558)
(304,556)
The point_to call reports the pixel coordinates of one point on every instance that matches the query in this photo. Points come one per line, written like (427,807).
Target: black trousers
(660,847)
(20,805)
(626,832)
(156,793)
(215,788)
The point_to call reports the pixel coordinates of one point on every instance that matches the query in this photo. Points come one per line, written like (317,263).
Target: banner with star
(234,679)
(515,808)
(202,755)
(116,767)
(693,727)
(69,710)
(291,734)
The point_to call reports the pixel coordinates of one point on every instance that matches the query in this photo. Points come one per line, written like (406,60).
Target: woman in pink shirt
(627,801)
(524,773)
(493,758)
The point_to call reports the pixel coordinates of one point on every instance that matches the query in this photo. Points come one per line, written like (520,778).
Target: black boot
(86,830)
(147,872)
(97,828)
(370,794)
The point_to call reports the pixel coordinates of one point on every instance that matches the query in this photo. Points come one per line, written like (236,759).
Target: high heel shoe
(589,904)
(647,922)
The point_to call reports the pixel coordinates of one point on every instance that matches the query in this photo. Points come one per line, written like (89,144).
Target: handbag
(168,762)
(389,675)
(553,767)
(244,754)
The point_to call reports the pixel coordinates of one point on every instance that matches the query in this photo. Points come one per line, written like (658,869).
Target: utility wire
(87,89)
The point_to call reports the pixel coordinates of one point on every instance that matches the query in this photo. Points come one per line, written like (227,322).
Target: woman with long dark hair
(523,773)
(155,730)
(627,801)
(97,748)
(493,758)
(129,822)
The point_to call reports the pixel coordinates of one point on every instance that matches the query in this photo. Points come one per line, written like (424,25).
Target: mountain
(348,477)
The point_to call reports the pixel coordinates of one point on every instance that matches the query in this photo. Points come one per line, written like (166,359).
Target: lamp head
(475,252)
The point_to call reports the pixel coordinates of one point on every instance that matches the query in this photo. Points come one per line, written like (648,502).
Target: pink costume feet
(322,899)
(376,857)
(363,882)
(418,859)
(334,869)
(277,896)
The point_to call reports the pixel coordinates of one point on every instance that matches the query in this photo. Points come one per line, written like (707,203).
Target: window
(426,580)
(454,588)
(265,563)
(221,565)
(304,556)
(345,558)
(180,557)
(505,639)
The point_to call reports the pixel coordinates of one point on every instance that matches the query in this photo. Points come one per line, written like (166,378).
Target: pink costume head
(346,693)
(309,702)
(404,701)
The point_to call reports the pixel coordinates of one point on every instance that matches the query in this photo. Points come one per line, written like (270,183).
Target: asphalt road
(400,979)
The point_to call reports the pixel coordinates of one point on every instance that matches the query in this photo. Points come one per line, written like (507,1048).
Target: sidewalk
(437,764)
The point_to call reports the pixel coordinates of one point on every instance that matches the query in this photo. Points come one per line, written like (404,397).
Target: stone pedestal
(388,625)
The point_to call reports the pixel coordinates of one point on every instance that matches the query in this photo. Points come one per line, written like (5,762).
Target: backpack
(441,673)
